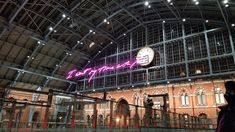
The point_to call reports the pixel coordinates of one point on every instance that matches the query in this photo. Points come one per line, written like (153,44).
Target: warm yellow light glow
(117,119)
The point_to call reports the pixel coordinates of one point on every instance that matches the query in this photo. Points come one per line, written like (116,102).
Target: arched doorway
(35,116)
(122,113)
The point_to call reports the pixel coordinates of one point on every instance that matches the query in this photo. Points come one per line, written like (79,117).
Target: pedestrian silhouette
(226,117)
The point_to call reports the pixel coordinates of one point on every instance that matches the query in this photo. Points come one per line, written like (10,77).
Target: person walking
(226,117)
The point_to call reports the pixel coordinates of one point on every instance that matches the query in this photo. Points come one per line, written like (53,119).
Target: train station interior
(114,65)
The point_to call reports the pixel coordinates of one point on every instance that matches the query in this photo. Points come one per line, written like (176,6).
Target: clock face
(145,56)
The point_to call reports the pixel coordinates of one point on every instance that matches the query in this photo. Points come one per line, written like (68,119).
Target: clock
(145,56)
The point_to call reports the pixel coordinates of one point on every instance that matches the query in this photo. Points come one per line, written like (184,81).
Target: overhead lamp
(50,28)
(68,18)
(184,20)
(63,15)
(39,42)
(196,3)
(43,44)
(149,6)
(93,90)
(90,31)
(108,22)
(28,56)
(89,61)
(32,58)
(93,32)
(55,31)
(124,34)
(225,1)
(207,21)
(189,80)
(233,25)
(171,3)
(132,86)
(198,71)
(168,82)
(105,20)
(226,5)
(146,3)
(168,1)
(70,54)
(111,42)
(91,44)
(118,87)
(148,83)
(78,41)
(163,21)
(99,51)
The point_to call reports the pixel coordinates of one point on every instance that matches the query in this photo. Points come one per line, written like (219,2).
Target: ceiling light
(90,31)
(81,43)
(168,82)
(189,79)
(105,20)
(50,28)
(148,83)
(168,1)
(93,90)
(39,42)
(194,0)
(163,21)
(226,5)
(70,54)
(196,3)
(225,1)
(171,3)
(28,56)
(184,20)
(56,65)
(146,3)
(68,18)
(233,25)
(32,58)
(43,44)
(118,87)
(55,31)
(89,61)
(149,6)
(124,34)
(63,15)
(92,44)
(78,41)
(111,42)
(207,21)
(132,86)
(99,51)
(67,53)
(93,32)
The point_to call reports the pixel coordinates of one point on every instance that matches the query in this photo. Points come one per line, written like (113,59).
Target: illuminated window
(219,96)
(184,99)
(136,100)
(201,97)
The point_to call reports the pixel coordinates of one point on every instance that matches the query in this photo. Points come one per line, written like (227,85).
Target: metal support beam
(34,73)
(185,51)
(129,13)
(14,16)
(228,28)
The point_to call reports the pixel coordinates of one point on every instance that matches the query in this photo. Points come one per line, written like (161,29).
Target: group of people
(226,117)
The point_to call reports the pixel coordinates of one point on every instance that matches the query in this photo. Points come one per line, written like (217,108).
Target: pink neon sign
(91,72)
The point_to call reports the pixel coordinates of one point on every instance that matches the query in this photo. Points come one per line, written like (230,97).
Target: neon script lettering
(92,72)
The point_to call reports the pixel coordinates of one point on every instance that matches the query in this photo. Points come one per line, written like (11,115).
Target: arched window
(184,99)
(219,96)
(136,99)
(201,97)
